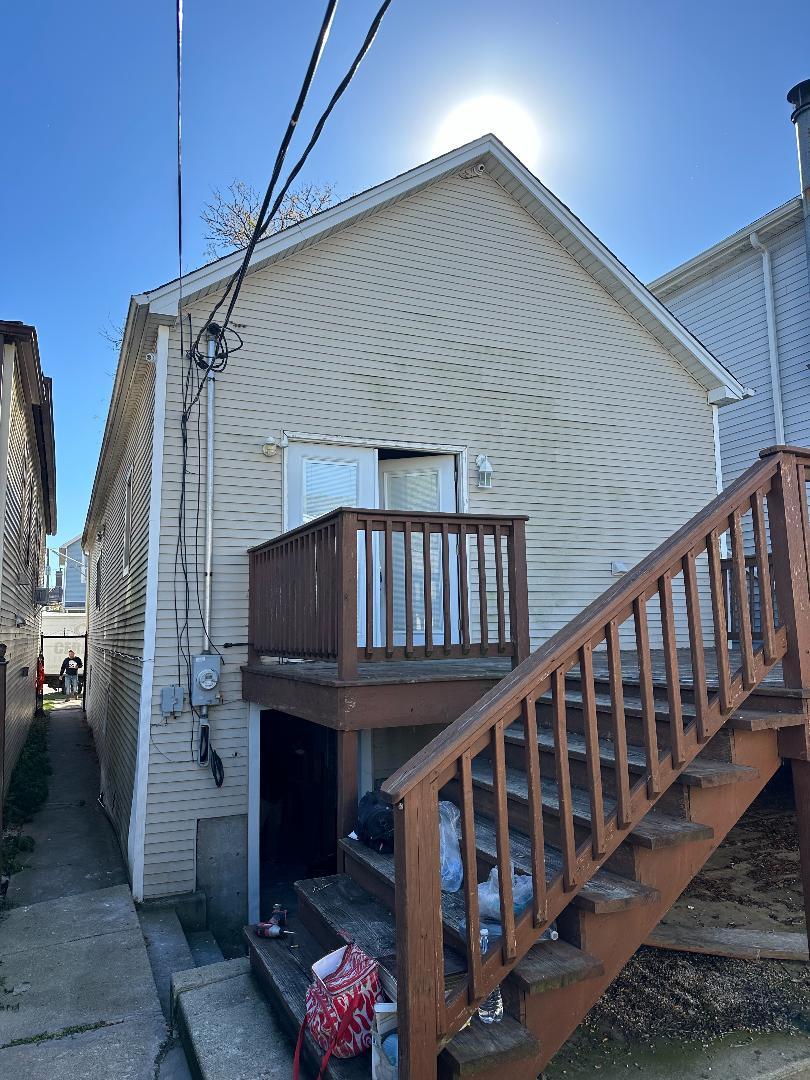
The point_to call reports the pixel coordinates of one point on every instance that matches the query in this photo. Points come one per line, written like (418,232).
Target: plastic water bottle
(490,1011)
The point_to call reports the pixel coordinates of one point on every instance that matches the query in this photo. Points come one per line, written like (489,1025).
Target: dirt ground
(752,880)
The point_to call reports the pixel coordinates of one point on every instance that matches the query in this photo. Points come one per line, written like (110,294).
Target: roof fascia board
(719,254)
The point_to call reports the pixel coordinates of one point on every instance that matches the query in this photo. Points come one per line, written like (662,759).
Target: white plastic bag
(489,903)
(452,868)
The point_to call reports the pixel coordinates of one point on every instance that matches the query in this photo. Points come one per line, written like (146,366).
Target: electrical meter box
(206,669)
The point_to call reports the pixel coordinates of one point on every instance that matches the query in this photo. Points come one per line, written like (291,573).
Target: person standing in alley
(70,674)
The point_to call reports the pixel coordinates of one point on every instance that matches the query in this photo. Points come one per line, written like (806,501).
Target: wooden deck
(394,694)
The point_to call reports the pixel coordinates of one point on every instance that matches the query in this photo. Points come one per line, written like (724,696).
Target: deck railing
(683,575)
(379,585)
(751,598)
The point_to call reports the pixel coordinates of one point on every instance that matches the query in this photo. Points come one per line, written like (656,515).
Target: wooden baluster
(428,588)
(696,647)
(483,607)
(371,583)
(499,590)
(719,619)
(406,533)
(528,708)
(347,595)
(470,859)
(389,588)
(618,724)
(592,756)
(563,770)
(738,573)
(518,592)
(502,842)
(464,588)
(420,956)
(645,676)
(446,610)
(766,616)
(673,674)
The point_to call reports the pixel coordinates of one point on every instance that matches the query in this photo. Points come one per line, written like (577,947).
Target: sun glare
(478,116)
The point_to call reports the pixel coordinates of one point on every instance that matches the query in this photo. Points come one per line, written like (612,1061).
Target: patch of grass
(28,788)
(46,1036)
(14,844)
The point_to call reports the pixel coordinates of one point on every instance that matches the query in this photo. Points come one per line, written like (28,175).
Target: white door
(321,478)
(421,484)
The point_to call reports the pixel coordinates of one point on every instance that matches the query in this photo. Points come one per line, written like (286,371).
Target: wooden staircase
(606,776)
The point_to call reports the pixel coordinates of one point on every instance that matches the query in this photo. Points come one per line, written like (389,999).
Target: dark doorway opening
(298,797)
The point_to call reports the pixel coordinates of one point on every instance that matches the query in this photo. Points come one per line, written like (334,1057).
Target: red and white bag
(340,1005)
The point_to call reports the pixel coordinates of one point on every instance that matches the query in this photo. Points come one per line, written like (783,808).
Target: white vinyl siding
(451,317)
(22,566)
(726,310)
(116,617)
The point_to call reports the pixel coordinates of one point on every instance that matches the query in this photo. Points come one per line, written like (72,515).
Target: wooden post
(347,594)
(420,960)
(347,791)
(790,571)
(801,795)
(518,592)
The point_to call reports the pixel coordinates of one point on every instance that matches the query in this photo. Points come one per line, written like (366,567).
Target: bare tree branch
(231,217)
(113,333)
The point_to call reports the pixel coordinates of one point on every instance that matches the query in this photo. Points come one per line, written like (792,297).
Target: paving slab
(229,1031)
(67,918)
(123,1051)
(197,977)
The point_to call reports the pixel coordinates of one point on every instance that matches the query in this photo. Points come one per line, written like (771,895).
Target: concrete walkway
(77,994)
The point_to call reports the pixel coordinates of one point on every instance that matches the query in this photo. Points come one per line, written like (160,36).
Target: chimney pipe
(799,98)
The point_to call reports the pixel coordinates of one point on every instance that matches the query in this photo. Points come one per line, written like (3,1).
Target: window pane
(327,485)
(417,491)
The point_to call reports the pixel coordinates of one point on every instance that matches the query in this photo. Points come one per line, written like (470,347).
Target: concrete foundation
(222,877)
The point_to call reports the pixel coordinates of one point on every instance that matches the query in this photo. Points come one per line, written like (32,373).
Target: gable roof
(489,154)
(726,251)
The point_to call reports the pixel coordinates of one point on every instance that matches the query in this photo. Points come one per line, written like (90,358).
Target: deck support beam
(347,779)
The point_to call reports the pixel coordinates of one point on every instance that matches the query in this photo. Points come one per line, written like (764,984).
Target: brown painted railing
(382,585)
(682,575)
(752,598)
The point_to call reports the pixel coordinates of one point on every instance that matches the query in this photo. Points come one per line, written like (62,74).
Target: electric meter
(206,670)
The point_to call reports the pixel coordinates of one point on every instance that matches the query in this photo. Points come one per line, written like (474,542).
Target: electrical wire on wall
(201,364)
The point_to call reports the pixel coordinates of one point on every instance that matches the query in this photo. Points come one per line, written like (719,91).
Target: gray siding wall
(22,567)
(74,577)
(726,310)
(116,625)
(451,317)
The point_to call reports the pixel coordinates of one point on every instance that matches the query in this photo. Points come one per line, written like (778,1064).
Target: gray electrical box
(171,700)
(206,669)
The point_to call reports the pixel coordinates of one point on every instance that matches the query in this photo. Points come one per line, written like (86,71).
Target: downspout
(773,346)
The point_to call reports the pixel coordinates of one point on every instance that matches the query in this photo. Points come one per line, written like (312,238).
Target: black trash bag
(375,822)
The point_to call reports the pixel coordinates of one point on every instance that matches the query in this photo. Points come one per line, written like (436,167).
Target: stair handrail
(426,1008)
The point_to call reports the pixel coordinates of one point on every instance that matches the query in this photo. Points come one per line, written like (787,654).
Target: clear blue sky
(664,126)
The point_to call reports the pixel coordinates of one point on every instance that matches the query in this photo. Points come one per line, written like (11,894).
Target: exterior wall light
(485,470)
(269,446)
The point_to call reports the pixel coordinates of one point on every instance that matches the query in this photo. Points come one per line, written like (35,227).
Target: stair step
(653,831)
(605,891)
(488,1046)
(204,948)
(748,718)
(700,773)
(283,974)
(550,965)
(167,948)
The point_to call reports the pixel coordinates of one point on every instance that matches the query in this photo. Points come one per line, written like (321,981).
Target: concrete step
(227,1027)
(204,948)
(167,948)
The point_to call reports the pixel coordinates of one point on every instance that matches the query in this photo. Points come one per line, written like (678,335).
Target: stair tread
(284,978)
(699,773)
(604,892)
(353,914)
(549,965)
(481,1046)
(654,830)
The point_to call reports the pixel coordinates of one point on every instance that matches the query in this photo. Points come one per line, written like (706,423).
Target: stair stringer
(613,939)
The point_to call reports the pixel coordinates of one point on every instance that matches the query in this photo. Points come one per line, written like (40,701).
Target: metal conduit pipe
(773,345)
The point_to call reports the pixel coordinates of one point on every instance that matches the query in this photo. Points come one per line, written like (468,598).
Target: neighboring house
(28,513)
(73,563)
(456,313)
(748,299)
